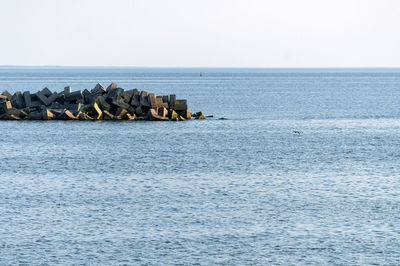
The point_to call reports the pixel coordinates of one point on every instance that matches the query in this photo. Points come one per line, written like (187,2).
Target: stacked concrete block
(113,103)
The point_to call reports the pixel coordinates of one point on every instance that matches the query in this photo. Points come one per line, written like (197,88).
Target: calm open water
(240,191)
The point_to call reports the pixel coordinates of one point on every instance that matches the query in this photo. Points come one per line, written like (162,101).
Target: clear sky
(201,33)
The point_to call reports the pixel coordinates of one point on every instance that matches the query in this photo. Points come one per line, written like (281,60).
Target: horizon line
(208,67)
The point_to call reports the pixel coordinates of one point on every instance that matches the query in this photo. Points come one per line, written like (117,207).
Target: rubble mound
(113,103)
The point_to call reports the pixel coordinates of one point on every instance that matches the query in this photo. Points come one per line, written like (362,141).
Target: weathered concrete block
(46,92)
(27,98)
(112,86)
(67,90)
(7,116)
(5,106)
(47,114)
(200,116)
(66,115)
(121,112)
(131,110)
(152,100)
(144,101)
(35,115)
(114,93)
(42,97)
(74,108)
(73,96)
(46,100)
(83,116)
(35,103)
(120,103)
(7,94)
(92,110)
(103,104)
(57,112)
(172,99)
(86,92)
(160,102)
(163,112)
(17,100)
(180,105)
(173,115)
(187,114)
(98,90)
(135,102)
(107,115)
(139,111)
(153,116)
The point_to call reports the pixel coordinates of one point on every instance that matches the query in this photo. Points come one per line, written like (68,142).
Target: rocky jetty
(111,103)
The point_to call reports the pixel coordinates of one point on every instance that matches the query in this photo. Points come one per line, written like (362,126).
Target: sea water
(245,190)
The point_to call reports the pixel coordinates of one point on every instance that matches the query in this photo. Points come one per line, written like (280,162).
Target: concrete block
(180,105)
(153,116)
(98,90)
(173,115)
(42,97)
(159,102)
(152,100)
(121,112)
(112,86)
(200,116)
(103,104)
(66,115)
(7,94)
(35,115)
(93,110)
(172,99)
(120,104)
(83,116)
(107,115)
(27,98)
(163,112)
(9,117)
(17,100)
(67,90)
(73,96)
(5,106)
(47,114)
(135,102)
(46,92)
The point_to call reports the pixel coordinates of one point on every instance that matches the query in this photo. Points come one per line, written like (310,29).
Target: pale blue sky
(201,33)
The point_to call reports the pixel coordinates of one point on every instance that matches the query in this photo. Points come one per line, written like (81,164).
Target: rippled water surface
(240,191)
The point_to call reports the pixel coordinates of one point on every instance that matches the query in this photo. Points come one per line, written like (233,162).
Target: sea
(304,169)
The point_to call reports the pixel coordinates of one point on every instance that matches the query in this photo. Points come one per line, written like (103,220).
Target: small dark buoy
(201,74)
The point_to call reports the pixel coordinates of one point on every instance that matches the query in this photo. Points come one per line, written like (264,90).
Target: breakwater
(100,103)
